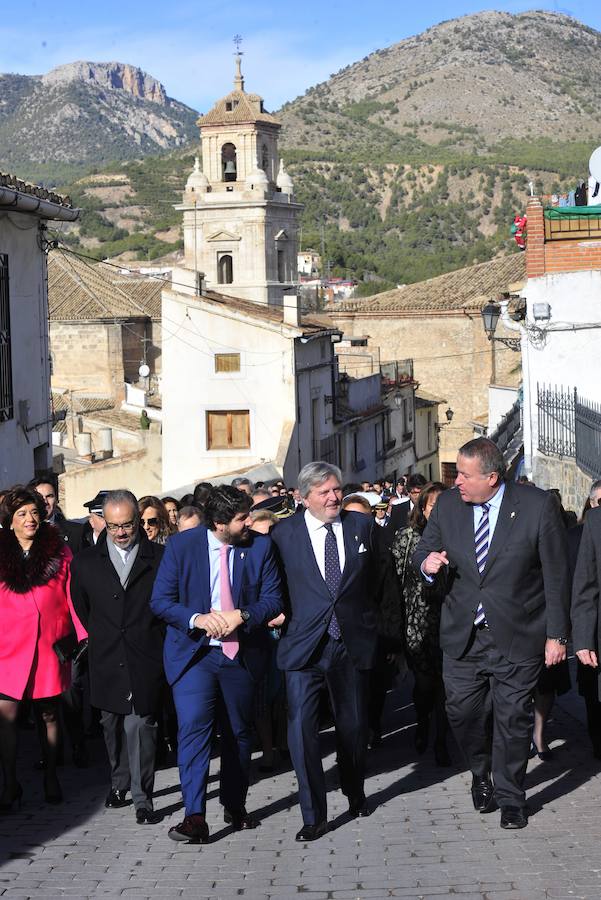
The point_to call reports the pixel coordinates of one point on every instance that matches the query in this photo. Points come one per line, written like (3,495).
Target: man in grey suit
(501,549)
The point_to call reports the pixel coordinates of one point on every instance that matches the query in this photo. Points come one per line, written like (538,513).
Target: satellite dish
(144,371)
(594,164)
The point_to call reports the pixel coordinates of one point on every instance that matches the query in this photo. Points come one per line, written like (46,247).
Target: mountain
(86,114)
(410,162)
(467,83)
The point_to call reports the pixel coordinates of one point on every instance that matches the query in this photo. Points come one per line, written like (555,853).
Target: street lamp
(491,314)
(449,414)
(398,399)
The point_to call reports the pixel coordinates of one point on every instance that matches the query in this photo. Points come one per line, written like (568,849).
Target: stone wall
(563,474)
(87,356)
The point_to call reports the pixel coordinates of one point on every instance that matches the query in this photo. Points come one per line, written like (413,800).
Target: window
(229,169)
(449,473)
(6,369)
(228,430)
(264,158)
(281,266)
(430,431)
(225,268)
(227,362)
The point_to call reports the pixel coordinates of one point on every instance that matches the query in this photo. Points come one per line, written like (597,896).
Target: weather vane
(237,42)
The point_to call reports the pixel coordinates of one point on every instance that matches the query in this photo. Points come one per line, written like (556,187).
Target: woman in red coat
(35,612)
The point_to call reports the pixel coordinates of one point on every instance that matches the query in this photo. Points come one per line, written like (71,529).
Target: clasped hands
(588,658)
(218,624)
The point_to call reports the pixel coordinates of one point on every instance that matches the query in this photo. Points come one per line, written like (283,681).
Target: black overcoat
(125,638)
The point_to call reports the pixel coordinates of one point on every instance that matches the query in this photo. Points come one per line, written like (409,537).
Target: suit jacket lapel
(505,520)
(465,525)
(351,548)
(239,563)
(204,577)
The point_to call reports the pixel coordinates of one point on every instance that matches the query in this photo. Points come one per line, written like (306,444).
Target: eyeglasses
(120,526)
(154,521)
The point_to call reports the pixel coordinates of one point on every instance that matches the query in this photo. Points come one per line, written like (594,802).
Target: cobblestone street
(423,841)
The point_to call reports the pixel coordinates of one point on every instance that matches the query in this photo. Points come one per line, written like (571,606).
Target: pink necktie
(229,644)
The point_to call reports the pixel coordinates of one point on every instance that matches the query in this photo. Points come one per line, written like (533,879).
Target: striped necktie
(481,542)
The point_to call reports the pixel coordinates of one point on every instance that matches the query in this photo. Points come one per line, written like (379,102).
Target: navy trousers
(348,690)
(214,688)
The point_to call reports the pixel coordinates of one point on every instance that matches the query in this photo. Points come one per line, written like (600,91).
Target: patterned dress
(422,604)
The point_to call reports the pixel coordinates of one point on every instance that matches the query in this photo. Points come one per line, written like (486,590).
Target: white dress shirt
(317,536)
(124,551)
(215,546)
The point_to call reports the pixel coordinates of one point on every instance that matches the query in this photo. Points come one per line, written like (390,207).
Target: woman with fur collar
(35,612)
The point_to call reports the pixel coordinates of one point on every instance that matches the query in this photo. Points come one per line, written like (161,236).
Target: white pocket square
(362,548)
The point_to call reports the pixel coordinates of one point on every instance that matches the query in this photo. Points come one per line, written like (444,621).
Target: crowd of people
(258,613)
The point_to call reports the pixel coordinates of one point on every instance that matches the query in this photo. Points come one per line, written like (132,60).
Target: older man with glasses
(111,584)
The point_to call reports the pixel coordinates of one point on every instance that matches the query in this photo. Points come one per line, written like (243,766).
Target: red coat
(32,617)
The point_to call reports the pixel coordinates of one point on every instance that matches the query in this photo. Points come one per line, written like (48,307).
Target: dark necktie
(332,575)
(481,541)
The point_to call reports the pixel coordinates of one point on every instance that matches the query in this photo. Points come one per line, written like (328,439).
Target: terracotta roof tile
(80,290)
(462,289)
(24,187)
(245,108)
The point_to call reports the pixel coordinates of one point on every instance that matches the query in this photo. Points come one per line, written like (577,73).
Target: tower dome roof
(197,180)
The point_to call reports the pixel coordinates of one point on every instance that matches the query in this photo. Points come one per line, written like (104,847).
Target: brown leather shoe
(193,830)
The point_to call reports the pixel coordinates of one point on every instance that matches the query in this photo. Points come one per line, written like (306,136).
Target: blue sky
(188,45)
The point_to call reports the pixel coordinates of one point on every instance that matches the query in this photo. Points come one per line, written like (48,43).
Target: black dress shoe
(482,794)
(513,817)
(115,799)
(193,830)
(147,815)
(241,821)
(312,832)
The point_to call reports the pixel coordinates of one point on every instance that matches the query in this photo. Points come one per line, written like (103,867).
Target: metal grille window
(6,371)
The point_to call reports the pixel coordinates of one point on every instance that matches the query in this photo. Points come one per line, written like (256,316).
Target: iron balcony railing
(587,421)
(570,426)
(556,434)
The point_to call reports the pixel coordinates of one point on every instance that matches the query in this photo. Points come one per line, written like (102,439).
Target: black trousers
(348,690)
(490,709)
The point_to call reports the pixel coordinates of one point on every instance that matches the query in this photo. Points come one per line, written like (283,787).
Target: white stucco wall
(568,351)
(500,401)
(193,331)
(30,352)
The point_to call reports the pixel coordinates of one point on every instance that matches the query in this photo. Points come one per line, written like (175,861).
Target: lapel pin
(356,537)
(512,515)
(242,555)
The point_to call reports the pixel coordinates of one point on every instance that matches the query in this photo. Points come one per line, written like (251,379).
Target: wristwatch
(563,641)
(245,615)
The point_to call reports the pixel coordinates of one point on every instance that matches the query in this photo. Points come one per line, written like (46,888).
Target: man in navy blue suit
(330,638)
(217,588)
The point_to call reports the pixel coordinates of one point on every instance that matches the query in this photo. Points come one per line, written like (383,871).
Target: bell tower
(240,217)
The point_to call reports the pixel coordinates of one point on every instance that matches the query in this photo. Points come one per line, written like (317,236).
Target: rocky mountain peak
(114,76)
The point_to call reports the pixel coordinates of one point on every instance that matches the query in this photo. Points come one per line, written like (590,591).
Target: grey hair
(595,486)
(236,482)
(488,455)
(316,473)
(120,496)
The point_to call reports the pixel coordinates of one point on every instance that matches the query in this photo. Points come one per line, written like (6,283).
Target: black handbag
(68,648)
